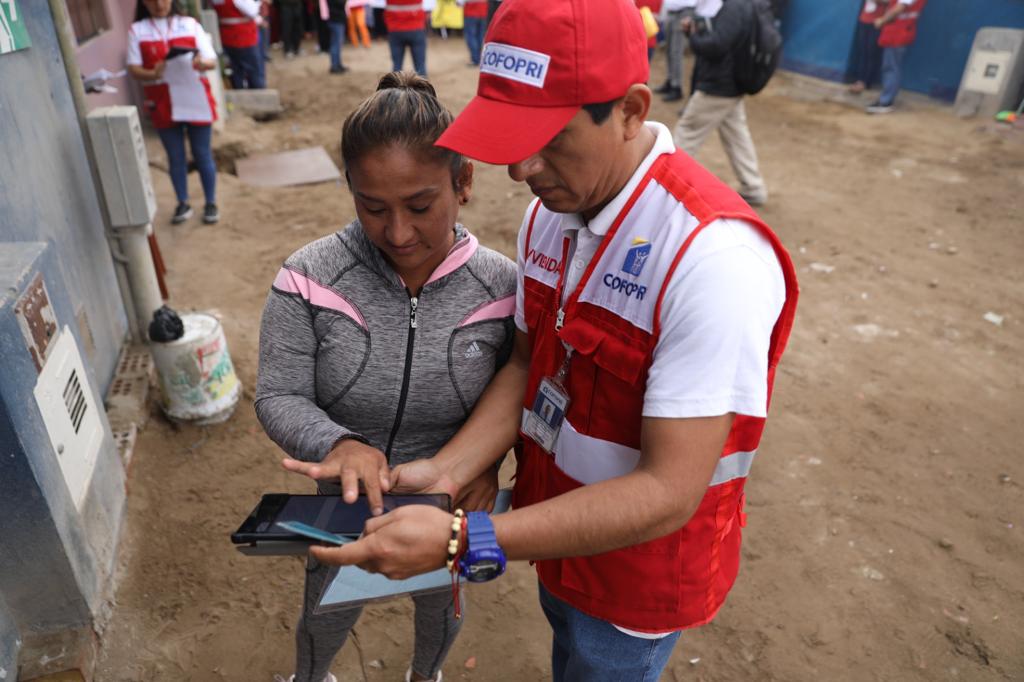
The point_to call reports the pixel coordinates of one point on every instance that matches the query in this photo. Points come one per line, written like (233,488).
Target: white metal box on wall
(993,79)
(120,152)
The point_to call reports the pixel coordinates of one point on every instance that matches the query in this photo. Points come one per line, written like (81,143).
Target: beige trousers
(705,113)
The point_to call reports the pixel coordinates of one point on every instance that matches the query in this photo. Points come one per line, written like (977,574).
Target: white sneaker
(330,678)
(408,676)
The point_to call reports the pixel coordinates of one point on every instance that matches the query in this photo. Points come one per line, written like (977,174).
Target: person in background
(264,24)
(674,12)
(407,28)
(655,7)
(356,11)
(492,7)
(291,14)
(350,378)
(474,25)
(379,26)
(333,13)
(240,35)
(715,33)
(177,94)
(866,51)
(897,31)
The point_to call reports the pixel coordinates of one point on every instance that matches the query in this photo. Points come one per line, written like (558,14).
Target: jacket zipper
(413,302)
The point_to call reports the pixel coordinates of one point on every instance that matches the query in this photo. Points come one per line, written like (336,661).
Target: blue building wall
(55,560)
(819,39)
(46,190)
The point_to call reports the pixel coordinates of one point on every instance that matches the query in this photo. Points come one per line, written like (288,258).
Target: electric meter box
(994,75)
(120,151)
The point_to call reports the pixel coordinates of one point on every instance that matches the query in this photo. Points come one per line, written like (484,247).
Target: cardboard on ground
(285,169)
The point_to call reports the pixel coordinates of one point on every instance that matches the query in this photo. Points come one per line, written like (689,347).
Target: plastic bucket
(197,378)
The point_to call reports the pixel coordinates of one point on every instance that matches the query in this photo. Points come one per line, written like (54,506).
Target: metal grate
(74,400)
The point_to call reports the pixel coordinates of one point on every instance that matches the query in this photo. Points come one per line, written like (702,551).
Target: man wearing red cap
(653,306)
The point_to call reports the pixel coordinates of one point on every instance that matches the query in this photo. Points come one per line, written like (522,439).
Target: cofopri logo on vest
(515,63)
(633,265)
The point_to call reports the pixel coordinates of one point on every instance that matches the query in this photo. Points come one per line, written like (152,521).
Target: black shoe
(665,88)
(339,69)
(673,95)
(879,108)
(182,213)
(210,214)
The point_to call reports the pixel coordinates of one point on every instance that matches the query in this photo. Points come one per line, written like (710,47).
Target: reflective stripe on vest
(231,21)
(405,8)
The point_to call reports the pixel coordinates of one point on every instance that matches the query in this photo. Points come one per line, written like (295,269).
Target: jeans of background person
(380,29)
(706,113)
(416,41)
(492,7)
(291,27)
(319,636)
(337,38)
(892,74)
(587,648)
(173,140)
(866,54)
(265,42)
(247,67)
(474,28)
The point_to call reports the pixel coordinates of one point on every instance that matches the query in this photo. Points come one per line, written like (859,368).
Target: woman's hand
(479,494)
(350,462)
(422,476)
(158,69)
(200,64)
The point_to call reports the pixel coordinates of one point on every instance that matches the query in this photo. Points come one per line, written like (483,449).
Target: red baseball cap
(541,61)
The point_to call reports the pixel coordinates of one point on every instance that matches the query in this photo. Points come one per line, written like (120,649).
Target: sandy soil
(885,509)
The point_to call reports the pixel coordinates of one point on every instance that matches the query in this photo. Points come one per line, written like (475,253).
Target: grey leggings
(319,637)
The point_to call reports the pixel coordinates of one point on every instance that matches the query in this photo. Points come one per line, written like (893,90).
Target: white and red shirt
(238,22)
(183,94)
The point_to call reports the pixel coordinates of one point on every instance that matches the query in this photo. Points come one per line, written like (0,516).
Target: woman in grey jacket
(377,341)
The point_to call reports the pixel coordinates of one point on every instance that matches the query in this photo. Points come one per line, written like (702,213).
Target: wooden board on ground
(299,167)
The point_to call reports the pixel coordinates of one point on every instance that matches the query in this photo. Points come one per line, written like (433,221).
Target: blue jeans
(246,67)
(199,139)
(892,67)
(866,54)
(416,41)
(590,649)
(337,38)
(474,28)
(265,42)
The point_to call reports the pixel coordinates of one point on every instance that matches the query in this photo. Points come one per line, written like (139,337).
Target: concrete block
(256,103)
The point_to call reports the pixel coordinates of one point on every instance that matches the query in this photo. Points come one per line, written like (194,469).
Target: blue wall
(819,38)
(46,190)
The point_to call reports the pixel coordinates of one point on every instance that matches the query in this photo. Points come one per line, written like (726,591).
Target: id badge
(545,418)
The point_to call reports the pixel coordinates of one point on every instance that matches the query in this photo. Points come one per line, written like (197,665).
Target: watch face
(483,570)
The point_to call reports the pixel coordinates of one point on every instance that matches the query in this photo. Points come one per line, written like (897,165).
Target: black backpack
(758,55)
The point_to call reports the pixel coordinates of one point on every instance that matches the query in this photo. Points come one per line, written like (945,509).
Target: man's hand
(422,476)
(408,541)
(350,462)
(686,24)
(478,494)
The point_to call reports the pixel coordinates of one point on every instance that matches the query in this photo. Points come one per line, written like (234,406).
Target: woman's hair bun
(406,80)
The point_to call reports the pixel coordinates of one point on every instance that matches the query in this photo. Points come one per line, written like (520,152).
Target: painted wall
(47,192)
(107,51)
(56,560)
(819,39)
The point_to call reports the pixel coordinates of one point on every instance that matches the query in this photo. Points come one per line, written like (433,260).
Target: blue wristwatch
(484,560)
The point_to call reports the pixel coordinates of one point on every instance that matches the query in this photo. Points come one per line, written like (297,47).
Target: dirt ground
(885,509)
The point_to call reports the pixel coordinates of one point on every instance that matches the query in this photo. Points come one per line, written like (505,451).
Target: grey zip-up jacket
(345,348)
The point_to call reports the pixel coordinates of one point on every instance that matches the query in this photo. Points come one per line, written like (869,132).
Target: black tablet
(259,534)
(177,51)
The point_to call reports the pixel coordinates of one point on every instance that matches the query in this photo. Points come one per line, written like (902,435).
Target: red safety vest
(902,30)
(236,28)
(405,15)
(868,17)
(475,9)
(679,580)
(154,47)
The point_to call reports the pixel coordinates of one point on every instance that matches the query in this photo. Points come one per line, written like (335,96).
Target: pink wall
(107,51)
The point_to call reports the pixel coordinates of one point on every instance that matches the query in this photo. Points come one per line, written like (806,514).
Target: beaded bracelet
(453,543)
